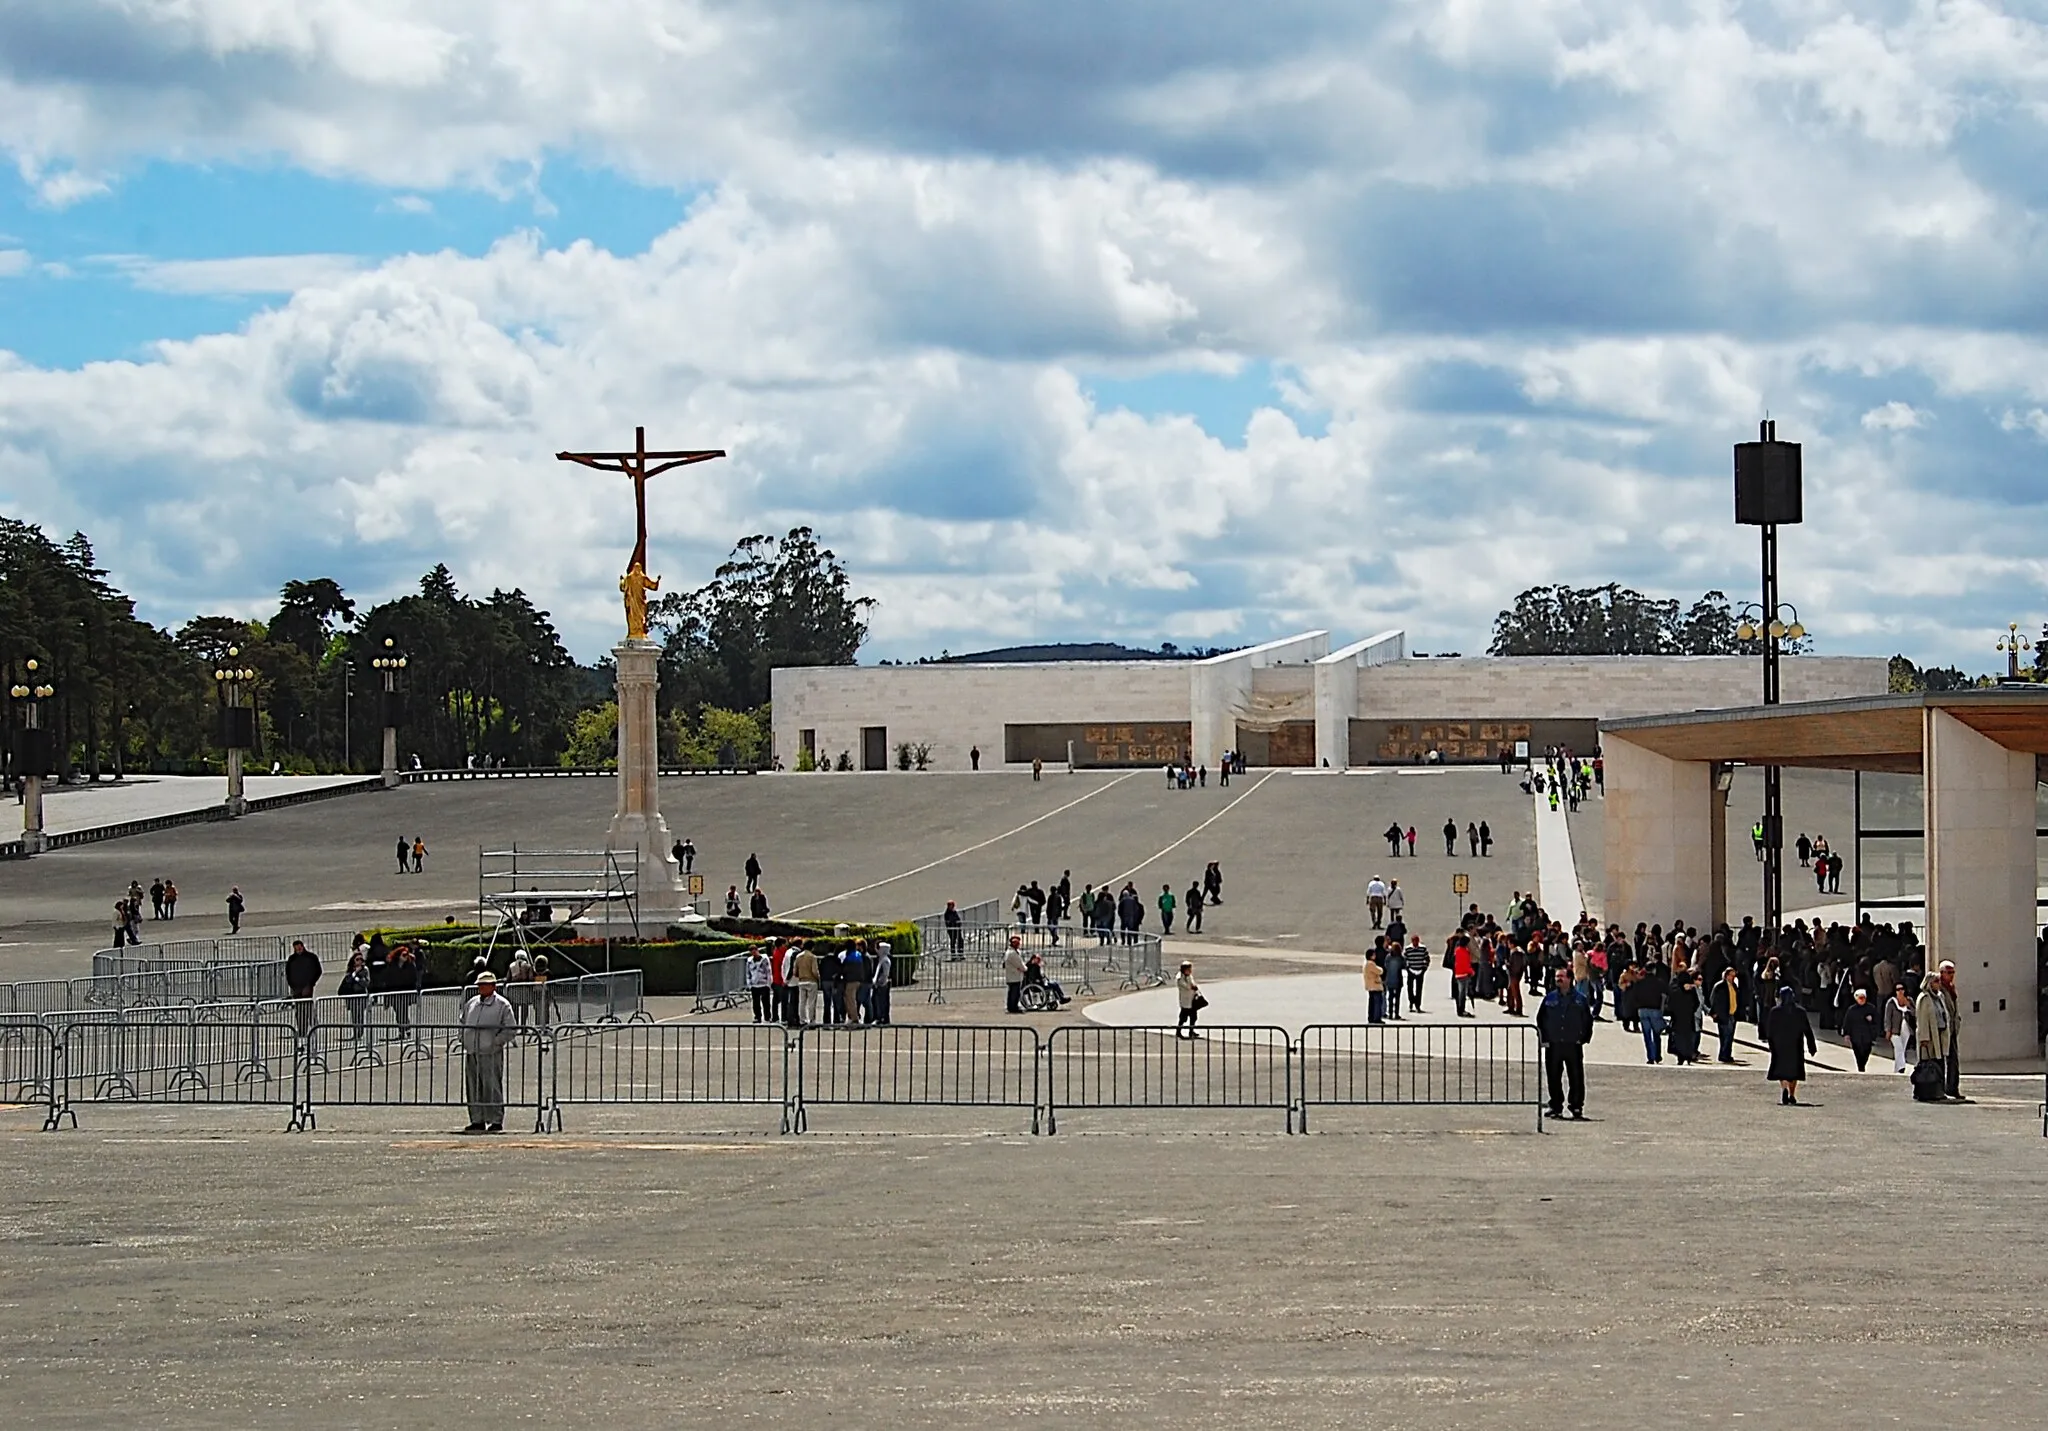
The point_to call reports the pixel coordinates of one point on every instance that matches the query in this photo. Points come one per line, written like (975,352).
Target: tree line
(1615,620)
(486,679)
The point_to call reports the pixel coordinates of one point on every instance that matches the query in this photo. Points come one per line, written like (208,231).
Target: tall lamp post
(36,758)
(1768,495)
(237,724)
(2010,644)
(390,661)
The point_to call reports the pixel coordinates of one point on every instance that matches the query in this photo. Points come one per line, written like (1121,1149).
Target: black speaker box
(35,751)
(1767,484)
(237,728)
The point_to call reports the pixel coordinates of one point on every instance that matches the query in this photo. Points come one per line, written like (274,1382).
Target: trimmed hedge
(668,966)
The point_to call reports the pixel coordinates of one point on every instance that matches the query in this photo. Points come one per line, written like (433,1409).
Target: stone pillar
(33,840)
(638,821)
(237,805)
(390,757)
(1658,827)
(1980,884)
(1336,704)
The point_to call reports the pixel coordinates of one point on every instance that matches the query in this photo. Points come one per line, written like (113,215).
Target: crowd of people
(1870,982)
(792,984)
(1108,917)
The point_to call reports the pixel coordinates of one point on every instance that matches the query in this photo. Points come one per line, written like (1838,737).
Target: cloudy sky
(1064,320)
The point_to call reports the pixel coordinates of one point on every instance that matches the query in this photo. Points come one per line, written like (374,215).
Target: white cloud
(1536,262)
(1894,416)
(13,261)
(282,273)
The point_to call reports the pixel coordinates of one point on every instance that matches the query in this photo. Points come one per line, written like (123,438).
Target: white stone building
(1288,702)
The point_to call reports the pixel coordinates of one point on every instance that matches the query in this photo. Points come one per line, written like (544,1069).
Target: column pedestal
(33,840)
(237,804)
(638,823)
(390,756)
(1981,875)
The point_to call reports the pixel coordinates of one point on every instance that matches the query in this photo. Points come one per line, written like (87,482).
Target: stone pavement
(1692,1256)
(147,797)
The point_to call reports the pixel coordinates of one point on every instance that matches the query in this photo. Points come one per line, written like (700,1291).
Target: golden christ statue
(636,583)
(638,465)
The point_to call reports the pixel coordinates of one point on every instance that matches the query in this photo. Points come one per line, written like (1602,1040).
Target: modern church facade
(1291,702)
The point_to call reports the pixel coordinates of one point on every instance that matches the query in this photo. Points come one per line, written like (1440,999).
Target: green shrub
(668,965)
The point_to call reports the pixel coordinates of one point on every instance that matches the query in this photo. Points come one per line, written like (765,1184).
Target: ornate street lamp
(35,757)
(2011,645)
(390,661)
(237,723)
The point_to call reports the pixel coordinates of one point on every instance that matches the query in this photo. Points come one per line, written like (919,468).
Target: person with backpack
(1166,906)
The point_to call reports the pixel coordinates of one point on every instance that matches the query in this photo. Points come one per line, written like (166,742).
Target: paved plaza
(1692,1255)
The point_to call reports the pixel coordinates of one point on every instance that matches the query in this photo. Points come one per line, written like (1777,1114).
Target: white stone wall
(957,707)
(1221,686)
(1610,687)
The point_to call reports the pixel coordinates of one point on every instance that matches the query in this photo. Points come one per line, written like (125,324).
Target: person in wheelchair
(1040,992)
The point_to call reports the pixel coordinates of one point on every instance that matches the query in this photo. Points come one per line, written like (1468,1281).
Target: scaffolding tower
(532,898)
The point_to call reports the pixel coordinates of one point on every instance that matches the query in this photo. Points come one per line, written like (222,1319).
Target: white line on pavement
(943,859)
(1197,830)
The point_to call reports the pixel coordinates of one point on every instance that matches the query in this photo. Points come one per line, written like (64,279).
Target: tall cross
(639,464)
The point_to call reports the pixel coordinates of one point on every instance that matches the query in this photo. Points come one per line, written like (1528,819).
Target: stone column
(237,805)
(638,821)
(1980,884)
(1658,829)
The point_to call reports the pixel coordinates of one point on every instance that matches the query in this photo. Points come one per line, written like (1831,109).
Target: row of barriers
(269,1062)
(974,961)
(970,956)
(193,984)
(332,945)
(218,990)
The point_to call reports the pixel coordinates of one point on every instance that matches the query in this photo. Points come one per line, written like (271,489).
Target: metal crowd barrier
(916,1065)
(668,1063)
(332,945)
(261,1058)
(1093,1066)
(120,1060)
(435,1076)
(395,1022)
(30,1064)
(1075,962)
(1425,1065)
(721,983)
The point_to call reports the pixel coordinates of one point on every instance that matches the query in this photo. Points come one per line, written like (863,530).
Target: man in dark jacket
(301,973)
(1564,1024)
(1450,837)
(1862,1021)
(1649,992)
(1392,835)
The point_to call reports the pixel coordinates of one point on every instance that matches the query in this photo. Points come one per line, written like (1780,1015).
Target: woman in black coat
(1790,1035)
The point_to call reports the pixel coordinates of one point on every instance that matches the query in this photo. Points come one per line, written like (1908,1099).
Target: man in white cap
(488,1025)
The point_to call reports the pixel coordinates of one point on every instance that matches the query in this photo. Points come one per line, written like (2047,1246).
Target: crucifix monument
(637,825)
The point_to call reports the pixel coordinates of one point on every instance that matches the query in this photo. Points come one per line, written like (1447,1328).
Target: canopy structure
(1979,754)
